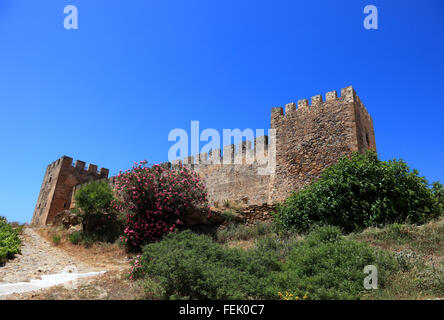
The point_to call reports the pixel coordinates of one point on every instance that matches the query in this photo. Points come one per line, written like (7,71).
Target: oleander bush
(9,241)
(155,200)
(360,192)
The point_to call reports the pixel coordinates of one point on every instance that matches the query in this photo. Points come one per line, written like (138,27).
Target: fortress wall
(309,137)
(233,175)
(364,127)
(56,192)
(46,193)
(313,136)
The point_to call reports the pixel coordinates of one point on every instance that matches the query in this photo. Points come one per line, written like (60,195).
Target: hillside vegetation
(9,241)
(363,192)
(362,211)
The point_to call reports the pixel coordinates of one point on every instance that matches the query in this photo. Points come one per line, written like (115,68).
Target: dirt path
(38,257)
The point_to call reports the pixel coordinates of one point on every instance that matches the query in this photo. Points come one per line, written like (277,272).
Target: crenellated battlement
(92,169)
(303,106)
(60,180)
(313,134)
(245,153)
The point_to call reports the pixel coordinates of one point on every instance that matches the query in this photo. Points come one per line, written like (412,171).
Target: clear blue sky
(110,92)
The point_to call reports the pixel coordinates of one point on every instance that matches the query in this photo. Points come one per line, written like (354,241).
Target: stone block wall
(307,138)
(58,184)
(313,136)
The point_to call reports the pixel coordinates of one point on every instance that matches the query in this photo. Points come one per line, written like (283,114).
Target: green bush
(75,237)
(87,240)
(100,221)
(324,266)
(360,192)
(9,241)
(56,238)
(438,193)
(328,266)
(186,265)
(229,214)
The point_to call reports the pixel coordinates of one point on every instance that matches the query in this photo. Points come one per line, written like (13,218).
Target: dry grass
(420,253)
(99,254)
(426,240)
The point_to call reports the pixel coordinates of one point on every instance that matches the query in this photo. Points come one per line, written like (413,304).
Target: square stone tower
(56,192)
(313,136)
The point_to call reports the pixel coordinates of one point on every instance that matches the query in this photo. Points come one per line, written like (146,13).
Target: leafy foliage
(328,266)
(100,221)
(360,192)
(9,241)
(56,239)
(324,266)
(75,237)
(186,265)
(94,197)
(438,193)
(155,200)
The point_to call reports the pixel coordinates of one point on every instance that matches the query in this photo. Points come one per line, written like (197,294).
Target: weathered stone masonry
(56,192)
(312,137)
(309,138)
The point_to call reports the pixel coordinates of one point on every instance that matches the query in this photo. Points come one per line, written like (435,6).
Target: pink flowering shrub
(155,200)
(136,268)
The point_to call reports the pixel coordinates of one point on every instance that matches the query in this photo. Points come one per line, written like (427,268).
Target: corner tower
(311,137)
(57,186)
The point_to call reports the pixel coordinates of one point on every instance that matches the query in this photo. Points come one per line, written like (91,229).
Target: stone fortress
(308,138)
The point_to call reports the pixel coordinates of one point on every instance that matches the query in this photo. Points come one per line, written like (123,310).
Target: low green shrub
(328,266)
(438,193)
(228,214)
(56,239)
(9,241)
(87,240)
(325,265)
(186,265)
(361,192)
(75,237)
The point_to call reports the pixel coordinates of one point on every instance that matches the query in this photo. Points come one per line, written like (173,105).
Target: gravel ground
(39,257)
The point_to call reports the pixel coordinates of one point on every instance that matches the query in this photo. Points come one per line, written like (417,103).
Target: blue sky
(110,92)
